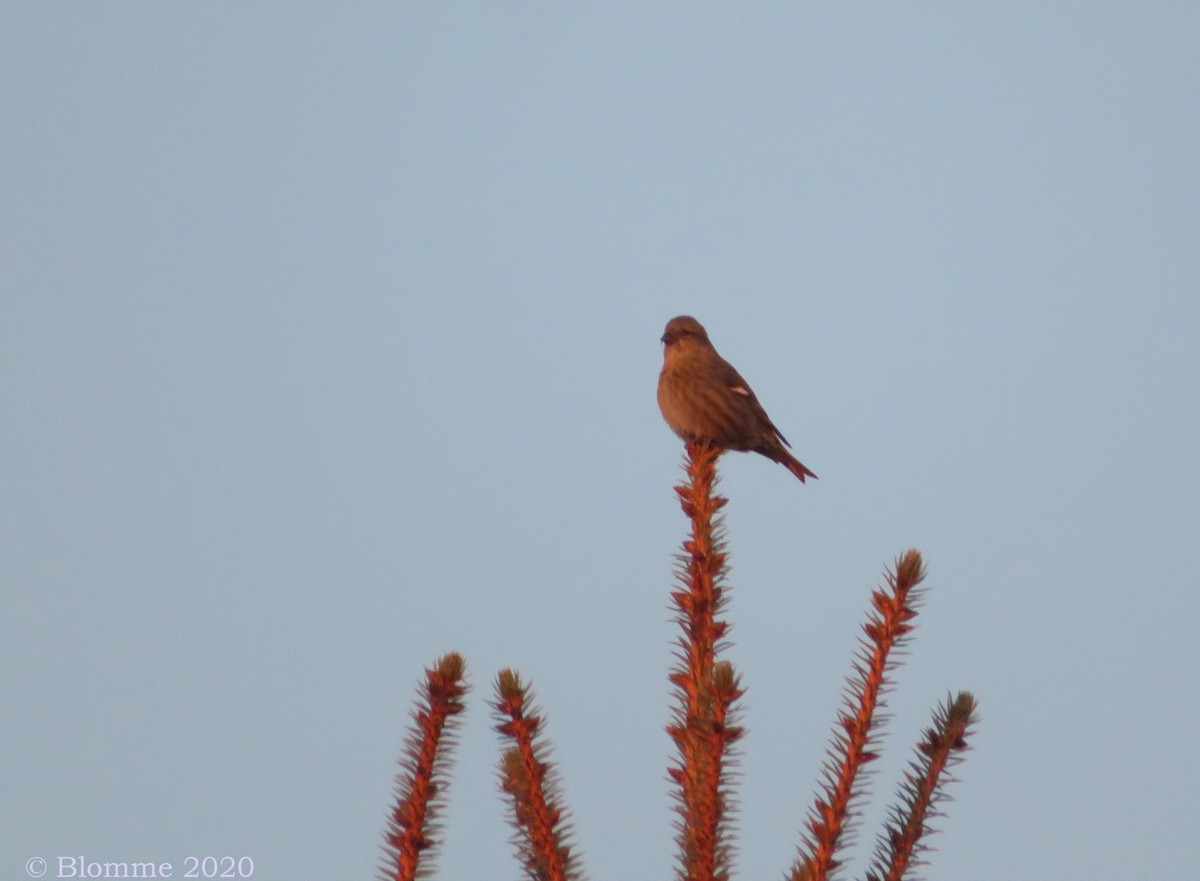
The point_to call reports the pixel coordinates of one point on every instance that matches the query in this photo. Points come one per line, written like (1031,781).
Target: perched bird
(704,399)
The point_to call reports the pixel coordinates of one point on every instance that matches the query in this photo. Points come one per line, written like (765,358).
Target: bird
(704,399)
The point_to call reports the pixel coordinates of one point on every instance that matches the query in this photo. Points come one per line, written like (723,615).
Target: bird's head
(684,329)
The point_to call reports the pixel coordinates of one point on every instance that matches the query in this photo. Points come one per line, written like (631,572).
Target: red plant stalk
(706,689)
(886,629)
(942,747)
(527,778)
(424,769)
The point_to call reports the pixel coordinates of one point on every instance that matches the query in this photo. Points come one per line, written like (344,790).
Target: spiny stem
(408,840)
(529,781)
(941,748)
(887,628)
(706,688)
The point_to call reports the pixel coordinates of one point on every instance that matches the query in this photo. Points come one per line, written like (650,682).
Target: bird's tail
(795,466)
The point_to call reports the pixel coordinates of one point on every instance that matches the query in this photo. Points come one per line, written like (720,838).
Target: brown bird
(704,399)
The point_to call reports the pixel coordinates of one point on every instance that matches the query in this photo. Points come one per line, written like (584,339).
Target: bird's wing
(731,379)
(728,376)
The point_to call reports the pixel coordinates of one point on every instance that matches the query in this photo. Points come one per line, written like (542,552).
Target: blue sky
(330,343)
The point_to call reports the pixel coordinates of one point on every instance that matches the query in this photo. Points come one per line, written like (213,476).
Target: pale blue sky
(330,337)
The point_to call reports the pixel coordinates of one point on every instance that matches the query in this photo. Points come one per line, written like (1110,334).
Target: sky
(330,339)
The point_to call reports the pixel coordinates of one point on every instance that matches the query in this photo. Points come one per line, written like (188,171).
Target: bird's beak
(666,338)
